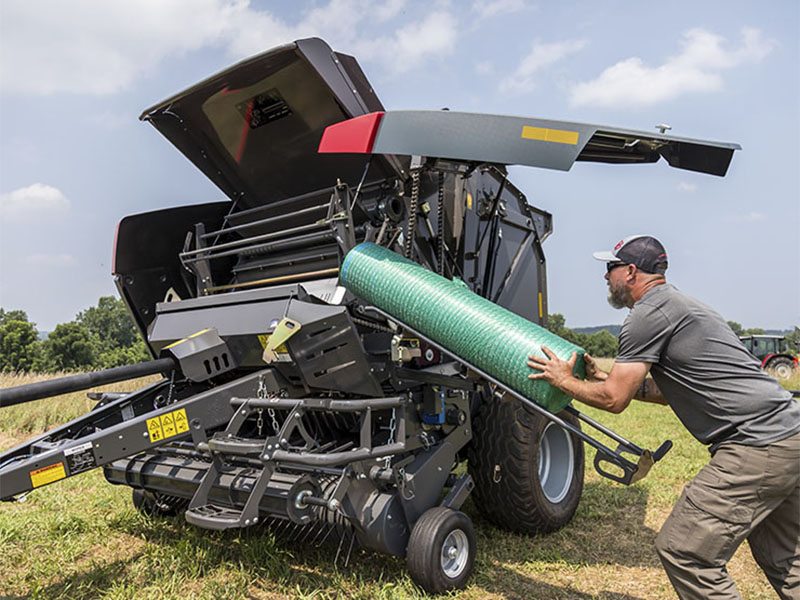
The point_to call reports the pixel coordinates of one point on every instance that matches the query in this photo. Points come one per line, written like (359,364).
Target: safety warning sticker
(48,474)
(167,425)
(80,458)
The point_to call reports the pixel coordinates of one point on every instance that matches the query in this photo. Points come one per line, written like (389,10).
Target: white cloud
(685,186)
(751,217)
(541,56)
(412,45)
(497,7)
(33,202)
(696,69)
(51,260)
(101,47)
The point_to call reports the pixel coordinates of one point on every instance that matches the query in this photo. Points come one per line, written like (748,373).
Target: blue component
(438,417)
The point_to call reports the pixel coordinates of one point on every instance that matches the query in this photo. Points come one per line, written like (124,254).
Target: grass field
(82,538)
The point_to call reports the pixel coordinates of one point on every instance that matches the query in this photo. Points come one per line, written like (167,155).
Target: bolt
(266,457)
(452,552)
(255,519)
(145,434)
(247,522)
(269,447)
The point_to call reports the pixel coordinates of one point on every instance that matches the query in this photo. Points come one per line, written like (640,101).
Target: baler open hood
(254,128)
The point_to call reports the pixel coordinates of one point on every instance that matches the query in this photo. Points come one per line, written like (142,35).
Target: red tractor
(773,352)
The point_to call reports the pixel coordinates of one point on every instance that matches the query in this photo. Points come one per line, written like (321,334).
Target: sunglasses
(611,266)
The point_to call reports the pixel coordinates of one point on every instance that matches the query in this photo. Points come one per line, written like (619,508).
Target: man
(751,487)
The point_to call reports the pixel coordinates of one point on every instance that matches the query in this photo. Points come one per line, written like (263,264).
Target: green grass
(82,538)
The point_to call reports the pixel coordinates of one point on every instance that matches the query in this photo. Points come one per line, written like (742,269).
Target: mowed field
(82,538)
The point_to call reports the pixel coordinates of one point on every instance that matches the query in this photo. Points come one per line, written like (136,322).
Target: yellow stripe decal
(173,344)
(558,136)
(541,305)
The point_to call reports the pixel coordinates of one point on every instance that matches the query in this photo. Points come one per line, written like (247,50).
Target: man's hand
(552,369)
(593,372)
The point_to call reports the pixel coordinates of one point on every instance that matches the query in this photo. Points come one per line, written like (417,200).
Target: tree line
(104,336)
(601,343)
(99,337)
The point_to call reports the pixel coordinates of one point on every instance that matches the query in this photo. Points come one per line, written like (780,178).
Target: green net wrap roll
(470,327)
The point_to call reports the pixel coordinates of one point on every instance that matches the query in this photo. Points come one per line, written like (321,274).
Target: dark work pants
(744,492)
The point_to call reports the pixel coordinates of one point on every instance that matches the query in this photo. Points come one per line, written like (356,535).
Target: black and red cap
(644,251)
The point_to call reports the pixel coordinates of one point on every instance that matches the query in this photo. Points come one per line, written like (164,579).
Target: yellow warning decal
(167,425)
(48,474)
(469,201)
(558,136)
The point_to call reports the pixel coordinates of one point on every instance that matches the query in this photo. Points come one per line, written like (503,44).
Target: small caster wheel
(153,504)
(441,550)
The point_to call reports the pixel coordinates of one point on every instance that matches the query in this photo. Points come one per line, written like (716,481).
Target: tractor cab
(774,353)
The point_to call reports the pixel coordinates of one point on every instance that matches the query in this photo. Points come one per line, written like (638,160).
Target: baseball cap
(644,251)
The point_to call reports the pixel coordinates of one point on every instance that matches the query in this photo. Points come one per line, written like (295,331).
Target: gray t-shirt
(715,386)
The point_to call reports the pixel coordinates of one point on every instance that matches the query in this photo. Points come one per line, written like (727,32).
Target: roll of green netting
(470,327)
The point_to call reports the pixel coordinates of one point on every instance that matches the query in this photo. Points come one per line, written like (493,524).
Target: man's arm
(612,392)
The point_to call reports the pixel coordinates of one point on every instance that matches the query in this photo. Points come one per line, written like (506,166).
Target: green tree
(13,315)
(602,343)
(117,357)
(70,347)
(110,323)
(18,343)
(737,327)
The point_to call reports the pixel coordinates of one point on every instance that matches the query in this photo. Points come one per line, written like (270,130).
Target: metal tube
(322,403)
(82,381)
(336,458)
(257,238)
(293,277)
(210,234)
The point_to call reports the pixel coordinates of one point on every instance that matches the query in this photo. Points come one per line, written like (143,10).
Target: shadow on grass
(608,529)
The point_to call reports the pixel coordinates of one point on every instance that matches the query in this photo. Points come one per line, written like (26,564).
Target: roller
(469,326)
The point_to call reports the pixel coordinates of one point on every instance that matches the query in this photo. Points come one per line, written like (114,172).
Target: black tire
(780,367)
(509,441)
(429,566)
(154,504)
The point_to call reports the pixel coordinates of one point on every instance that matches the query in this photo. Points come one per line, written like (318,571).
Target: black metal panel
(146,263)
(254,128)
(328,351)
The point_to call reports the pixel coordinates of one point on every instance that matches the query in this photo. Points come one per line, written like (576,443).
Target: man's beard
(619,297)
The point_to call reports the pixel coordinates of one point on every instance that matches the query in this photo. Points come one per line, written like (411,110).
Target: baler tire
(428,564)
(151,504)
(504,463)
(780,367)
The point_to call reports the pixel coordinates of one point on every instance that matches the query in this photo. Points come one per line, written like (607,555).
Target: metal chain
(412,215)
(260,421)
(264,394)
(171,388)
(275,426)
(440,226)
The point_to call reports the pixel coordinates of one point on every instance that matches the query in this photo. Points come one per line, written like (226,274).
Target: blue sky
(74,159)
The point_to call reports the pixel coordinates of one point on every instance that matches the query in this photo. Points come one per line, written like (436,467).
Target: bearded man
(750,489)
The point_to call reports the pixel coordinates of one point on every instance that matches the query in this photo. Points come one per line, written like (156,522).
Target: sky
(74,159)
